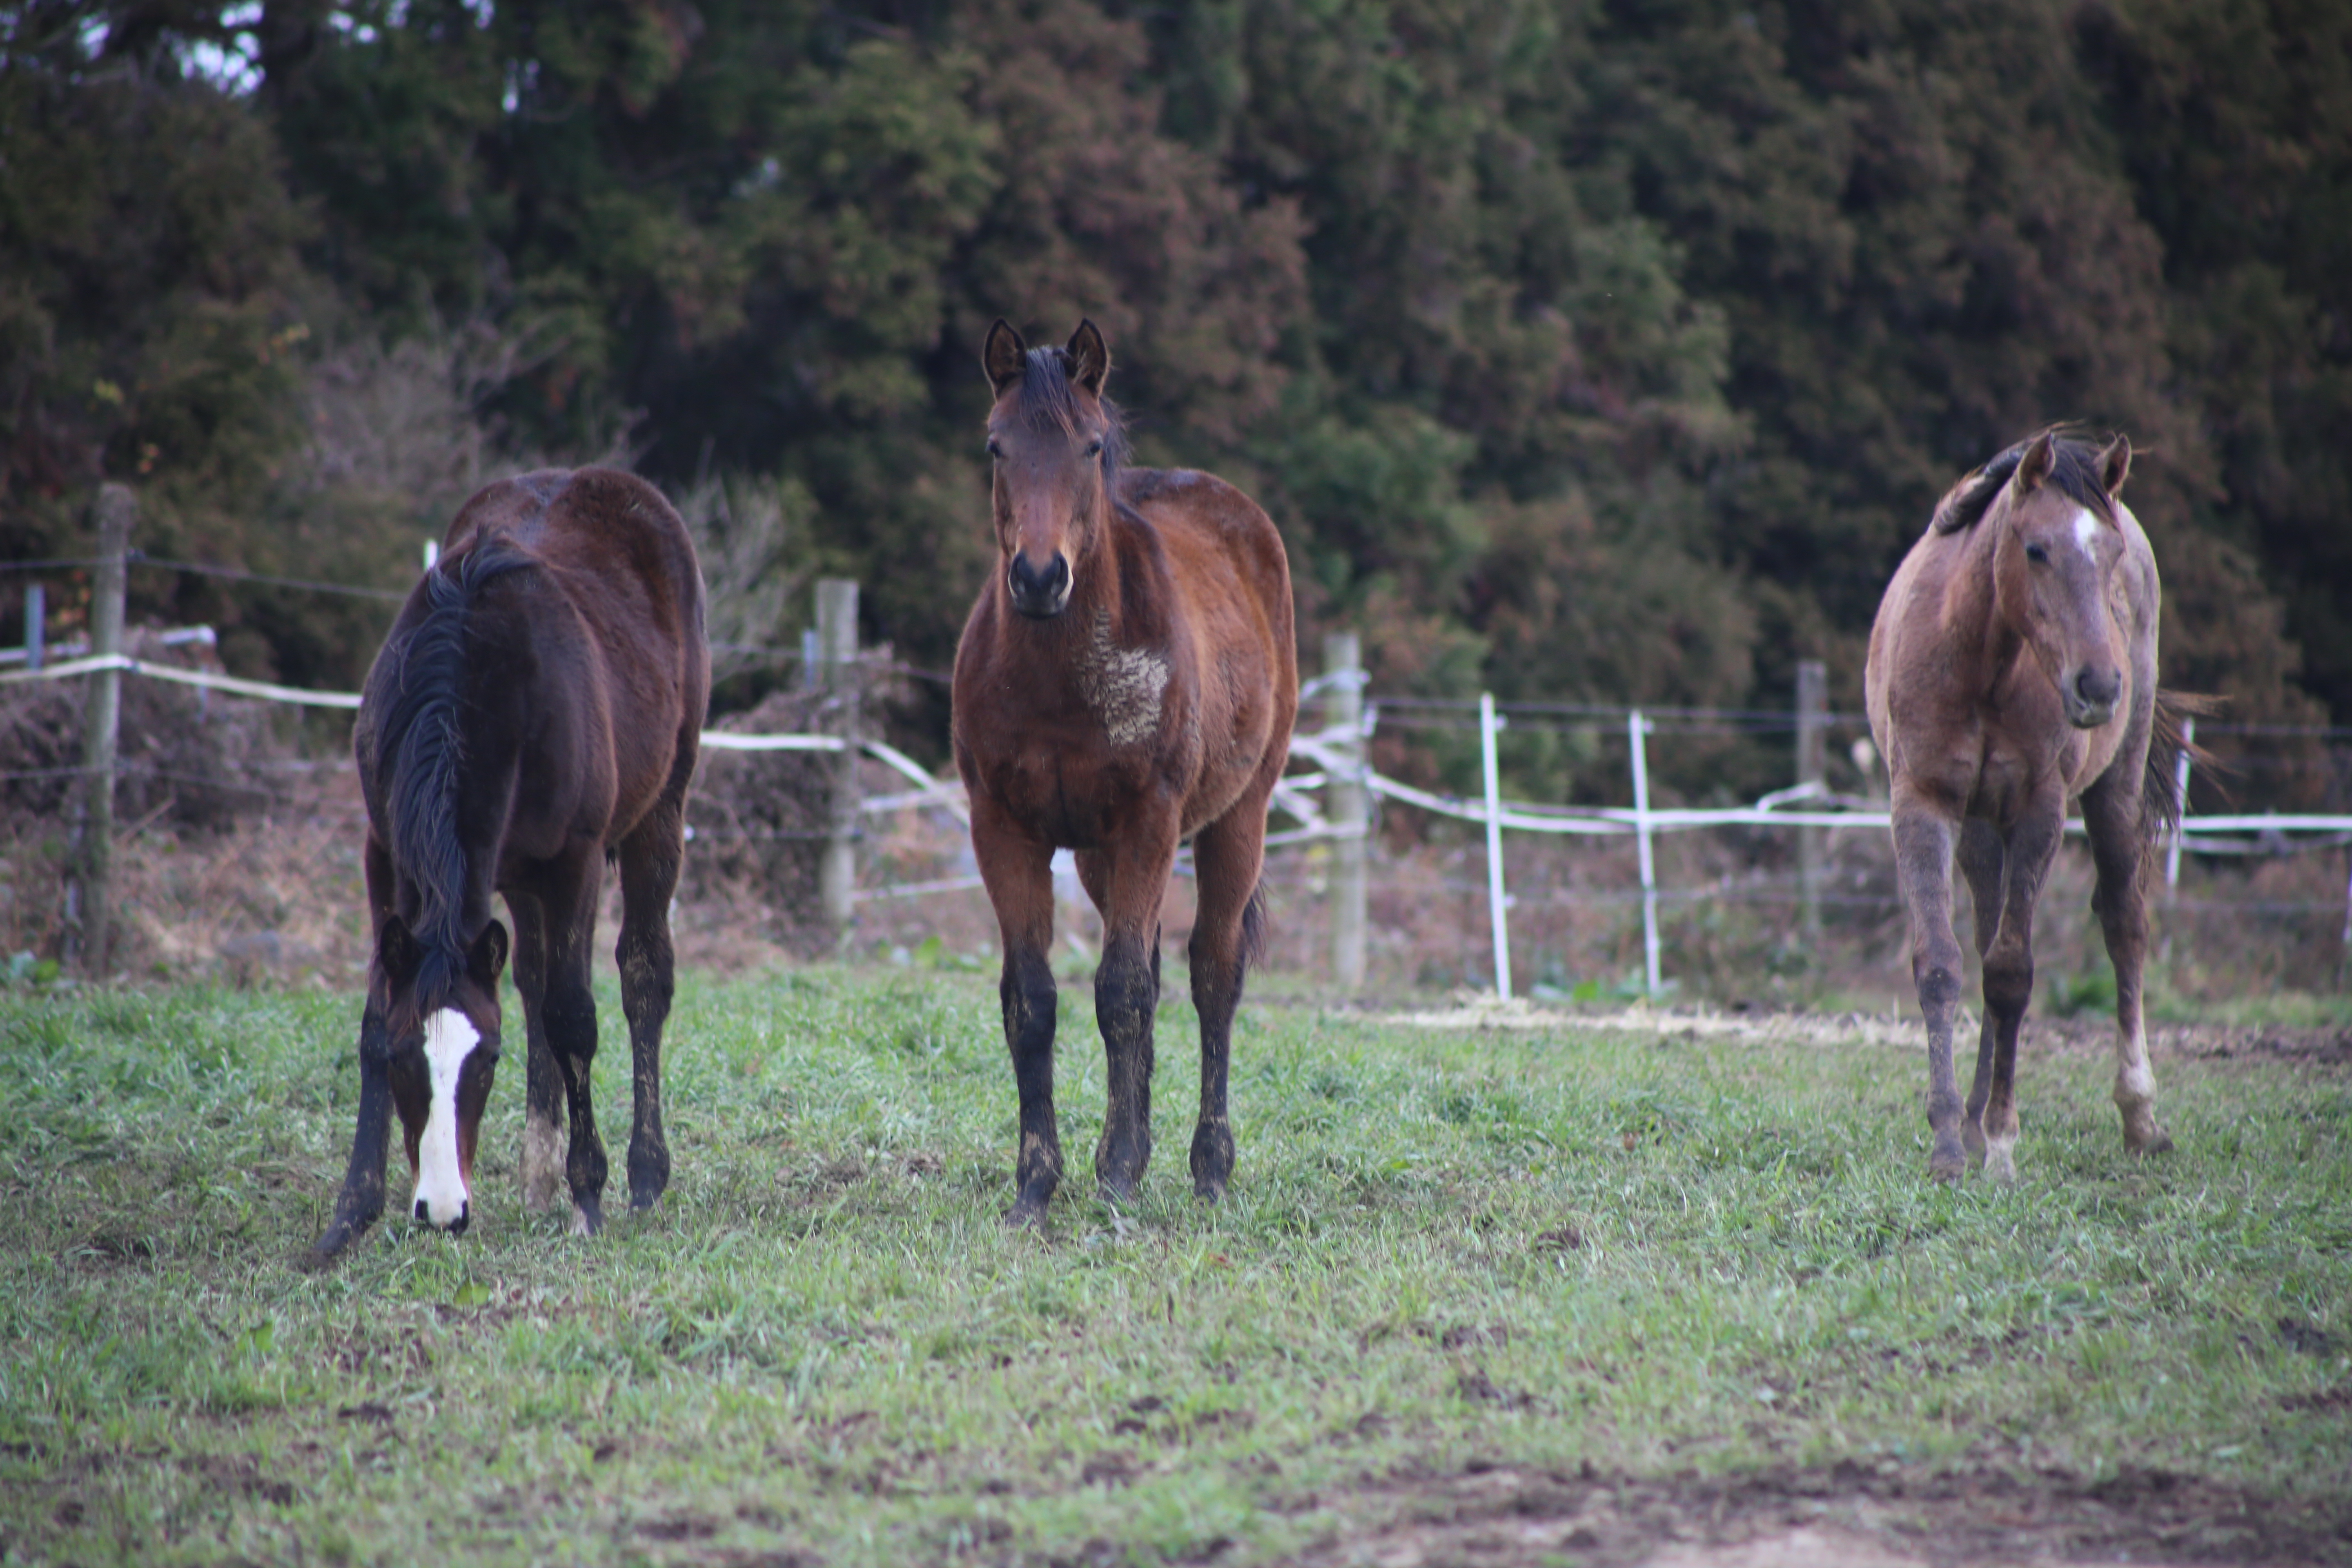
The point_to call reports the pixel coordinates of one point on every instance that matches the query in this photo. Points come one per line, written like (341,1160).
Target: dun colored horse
(1126,682)
(2013,670)
(536,708)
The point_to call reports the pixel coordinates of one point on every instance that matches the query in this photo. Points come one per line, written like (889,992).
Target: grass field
(1634,1274)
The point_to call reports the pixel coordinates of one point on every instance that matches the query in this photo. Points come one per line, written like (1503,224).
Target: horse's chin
(1048,610)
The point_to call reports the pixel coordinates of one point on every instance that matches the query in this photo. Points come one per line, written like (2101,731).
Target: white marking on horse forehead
(1122,685)
(449,1038)
(2087,532)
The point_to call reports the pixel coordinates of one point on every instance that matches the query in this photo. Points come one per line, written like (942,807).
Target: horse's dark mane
(420,755)
(2074,468)
(1047,400)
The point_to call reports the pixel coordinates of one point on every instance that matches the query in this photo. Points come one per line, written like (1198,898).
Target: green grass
(1647,1253)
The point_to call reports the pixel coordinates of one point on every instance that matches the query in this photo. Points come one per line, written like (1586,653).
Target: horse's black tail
(2160,803)
(1254,933)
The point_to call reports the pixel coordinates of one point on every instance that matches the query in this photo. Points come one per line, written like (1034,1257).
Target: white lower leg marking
(2134,1079)
(542,1161)
(450,1039)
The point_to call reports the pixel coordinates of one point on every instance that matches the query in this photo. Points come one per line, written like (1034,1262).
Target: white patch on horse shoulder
(2087,532)
(1122,685)
(449,1038)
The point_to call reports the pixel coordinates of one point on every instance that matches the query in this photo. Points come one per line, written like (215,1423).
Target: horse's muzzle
(2090,697)
(1040,595)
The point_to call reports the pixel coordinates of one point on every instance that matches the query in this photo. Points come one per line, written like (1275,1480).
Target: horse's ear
(2114,465)
(1004,356)
(1089,358)
(396,951)
(2034,466)
(487,959)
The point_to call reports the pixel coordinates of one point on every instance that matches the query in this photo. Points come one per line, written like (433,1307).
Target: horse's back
(622,552)
(601,652)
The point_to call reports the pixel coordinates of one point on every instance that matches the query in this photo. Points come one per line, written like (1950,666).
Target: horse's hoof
(640,1202)
(1949,1165)
(1209,1192)
(587,1217)
(1029,1214)
(2157,1143)
(1118,1193)
(2000,1167)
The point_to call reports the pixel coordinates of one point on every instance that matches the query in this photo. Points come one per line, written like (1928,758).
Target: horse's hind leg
(1980,860)
(1227,858)
(1018,872)
(2009,976)
(2111,814)
(650,859)
(542,1116)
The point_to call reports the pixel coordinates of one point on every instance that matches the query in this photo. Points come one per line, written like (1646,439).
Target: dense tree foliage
(1582,350)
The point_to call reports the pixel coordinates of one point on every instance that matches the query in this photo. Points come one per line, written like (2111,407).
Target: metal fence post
(88,929)
(36,618)
(1496,901)
(836,636)
(1812,735)
(1344,798)
(1636,728)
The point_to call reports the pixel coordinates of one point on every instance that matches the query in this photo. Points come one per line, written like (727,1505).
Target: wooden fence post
(1812,759)
(836,636)
(1344,796)
(88,929)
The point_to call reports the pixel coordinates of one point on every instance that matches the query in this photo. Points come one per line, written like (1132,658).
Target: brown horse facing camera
(537,707)
(2013,670)
(1126,682)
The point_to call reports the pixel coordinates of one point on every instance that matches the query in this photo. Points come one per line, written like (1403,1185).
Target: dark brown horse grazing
(2013,670)
(536,708)
(1126,681)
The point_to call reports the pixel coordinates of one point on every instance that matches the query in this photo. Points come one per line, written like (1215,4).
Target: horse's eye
(1094,448)
(2036,552)
(994,450)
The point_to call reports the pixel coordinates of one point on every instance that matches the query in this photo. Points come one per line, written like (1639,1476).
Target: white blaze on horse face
(2086,533)
(1122,685)
(449,1038)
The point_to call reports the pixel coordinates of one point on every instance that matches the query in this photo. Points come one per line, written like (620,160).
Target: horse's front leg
(542,1106)
(1981,857)
(2009,976)
(1128,881)
(2111,815)
(1017,870)
(569,902)
(1923,874)
(360,1203)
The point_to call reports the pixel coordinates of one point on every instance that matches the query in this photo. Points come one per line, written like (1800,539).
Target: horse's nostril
(465,1213)
(423,1212)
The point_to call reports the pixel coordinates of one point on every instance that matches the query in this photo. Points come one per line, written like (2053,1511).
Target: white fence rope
(1329,752)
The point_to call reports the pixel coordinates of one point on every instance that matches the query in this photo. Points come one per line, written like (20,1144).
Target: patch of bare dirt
(1847,1517)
